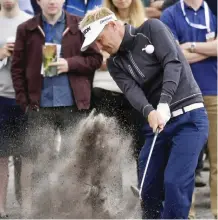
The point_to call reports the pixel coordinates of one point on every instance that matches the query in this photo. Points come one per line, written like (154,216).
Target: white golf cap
(92,30)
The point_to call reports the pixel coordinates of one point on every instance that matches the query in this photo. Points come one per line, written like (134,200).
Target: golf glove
(164,110)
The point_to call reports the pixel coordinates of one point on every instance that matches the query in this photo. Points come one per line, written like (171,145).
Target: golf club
(138,192)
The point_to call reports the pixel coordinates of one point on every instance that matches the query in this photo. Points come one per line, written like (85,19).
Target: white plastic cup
(10,40)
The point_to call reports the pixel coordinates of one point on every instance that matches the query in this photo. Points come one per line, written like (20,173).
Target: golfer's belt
(187,109)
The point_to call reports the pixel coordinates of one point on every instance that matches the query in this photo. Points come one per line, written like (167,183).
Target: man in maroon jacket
(53,95)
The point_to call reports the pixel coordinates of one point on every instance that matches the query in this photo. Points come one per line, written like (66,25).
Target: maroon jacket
(27,62)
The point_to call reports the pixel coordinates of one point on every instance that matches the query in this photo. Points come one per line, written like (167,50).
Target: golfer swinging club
(150,69)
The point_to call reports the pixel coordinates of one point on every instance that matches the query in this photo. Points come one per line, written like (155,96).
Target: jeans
(12,127)
(171,172)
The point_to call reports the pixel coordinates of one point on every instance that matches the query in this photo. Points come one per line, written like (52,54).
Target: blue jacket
(79,8)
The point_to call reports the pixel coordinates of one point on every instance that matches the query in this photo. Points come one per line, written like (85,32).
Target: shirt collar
(61,19)
(188,7)
(129,36)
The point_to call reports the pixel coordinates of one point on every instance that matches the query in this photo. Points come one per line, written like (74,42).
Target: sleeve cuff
(70,63)
(165,98)
(146,110)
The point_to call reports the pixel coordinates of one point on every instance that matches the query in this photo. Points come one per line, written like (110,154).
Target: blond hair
(94,15)
(136,12)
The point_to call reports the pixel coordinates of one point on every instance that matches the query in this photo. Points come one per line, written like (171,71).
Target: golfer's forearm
(172,72)
(135,96)
(132,91)
(194,57)
(207,48)
(138,100)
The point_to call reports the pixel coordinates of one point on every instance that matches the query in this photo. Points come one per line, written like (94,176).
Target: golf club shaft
(148,161)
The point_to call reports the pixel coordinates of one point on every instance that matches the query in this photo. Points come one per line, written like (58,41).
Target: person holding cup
(7,50)
(11,117)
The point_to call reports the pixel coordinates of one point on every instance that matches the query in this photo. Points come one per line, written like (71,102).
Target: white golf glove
(164,110)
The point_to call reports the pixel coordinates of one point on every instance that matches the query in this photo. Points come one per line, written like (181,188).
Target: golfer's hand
(62,65)
(155,121)
(164,110)
(6,51)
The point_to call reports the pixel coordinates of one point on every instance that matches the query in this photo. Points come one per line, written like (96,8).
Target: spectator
(50,102)
(25,5)
(211,3)
(187,20)
(80,7)
(11,116)
(107,97)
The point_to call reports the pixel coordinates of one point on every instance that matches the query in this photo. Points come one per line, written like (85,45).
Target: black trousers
(42,126)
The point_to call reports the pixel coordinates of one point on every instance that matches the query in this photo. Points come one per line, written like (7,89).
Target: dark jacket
(36,7)
(148,79)
(27,62)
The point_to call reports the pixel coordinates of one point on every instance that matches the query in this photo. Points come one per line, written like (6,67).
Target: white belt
(187,109)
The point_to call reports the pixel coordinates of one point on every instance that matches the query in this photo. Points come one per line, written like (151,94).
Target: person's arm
(18,68)
(193,57)
(205,48)
(157,4)
(4,54)
(152,12)
(166,51)
(167,18)
(130,88)
(86,62)
(5,51)
(136,97)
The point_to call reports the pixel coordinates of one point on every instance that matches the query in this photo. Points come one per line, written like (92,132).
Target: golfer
(150,69)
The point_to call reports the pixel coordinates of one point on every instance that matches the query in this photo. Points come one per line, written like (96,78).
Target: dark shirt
(213,6)
(163,76)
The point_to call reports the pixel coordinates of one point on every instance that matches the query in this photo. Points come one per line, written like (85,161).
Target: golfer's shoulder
(151,24)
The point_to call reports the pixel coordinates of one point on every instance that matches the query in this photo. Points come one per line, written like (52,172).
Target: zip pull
(40,29)
(66,30)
